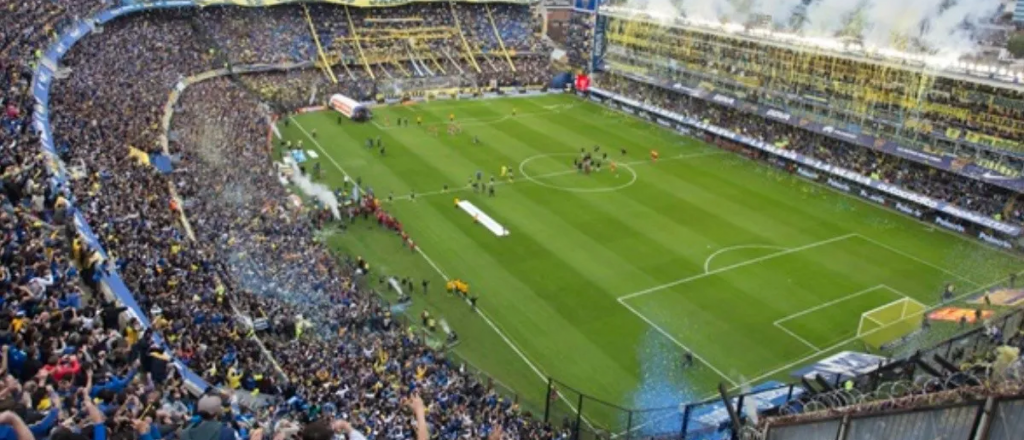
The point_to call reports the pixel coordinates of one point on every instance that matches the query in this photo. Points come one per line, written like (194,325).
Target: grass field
(605,279)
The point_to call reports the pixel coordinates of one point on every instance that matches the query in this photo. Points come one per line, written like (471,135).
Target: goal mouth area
(891,321)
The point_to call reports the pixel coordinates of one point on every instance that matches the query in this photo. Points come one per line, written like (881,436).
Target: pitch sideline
(511,344)
(680,344)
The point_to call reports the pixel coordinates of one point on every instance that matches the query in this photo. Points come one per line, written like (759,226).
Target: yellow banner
(989,140)
(353,3)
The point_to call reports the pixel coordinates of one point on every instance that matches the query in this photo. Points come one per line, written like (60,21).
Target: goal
(890,321)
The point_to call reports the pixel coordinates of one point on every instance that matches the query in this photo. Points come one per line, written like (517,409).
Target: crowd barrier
(945,162)
(991,419)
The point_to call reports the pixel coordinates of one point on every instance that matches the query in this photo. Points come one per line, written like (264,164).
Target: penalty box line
(778,322)
(839,344)
(622,300)
(680,344)
(735,266)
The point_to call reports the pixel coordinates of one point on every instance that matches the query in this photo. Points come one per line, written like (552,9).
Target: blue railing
(41,81)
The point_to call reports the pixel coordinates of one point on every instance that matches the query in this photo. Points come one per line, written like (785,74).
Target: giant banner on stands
(953,164)
(766,396)
(826,168)
(41,122)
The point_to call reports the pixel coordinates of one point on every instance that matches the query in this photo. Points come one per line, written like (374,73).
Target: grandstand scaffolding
(324,63)
(359,47)
(465,44)
(497,34)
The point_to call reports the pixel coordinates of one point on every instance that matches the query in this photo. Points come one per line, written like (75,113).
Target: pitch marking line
(837,300)
(555,174)
(793,334)
(778,322)
(707,262)
(737,265)
(904,254)
(676,341)
(512,345)
(471,122)
(847,341)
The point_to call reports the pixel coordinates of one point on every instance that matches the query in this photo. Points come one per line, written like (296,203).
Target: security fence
(988,419)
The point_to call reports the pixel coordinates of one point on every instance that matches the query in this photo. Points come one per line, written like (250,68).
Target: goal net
(890,321)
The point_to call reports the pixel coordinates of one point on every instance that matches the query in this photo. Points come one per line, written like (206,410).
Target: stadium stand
(194,279)
(946,111)
(990,200)
(225,279)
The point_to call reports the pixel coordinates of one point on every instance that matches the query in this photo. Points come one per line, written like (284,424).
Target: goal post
(890,321)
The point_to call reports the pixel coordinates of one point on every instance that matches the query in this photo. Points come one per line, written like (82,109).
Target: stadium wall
(943,214)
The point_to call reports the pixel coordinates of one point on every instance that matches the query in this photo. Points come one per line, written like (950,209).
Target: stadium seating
(970,194)
(231,281)
(915,105)
(201,281)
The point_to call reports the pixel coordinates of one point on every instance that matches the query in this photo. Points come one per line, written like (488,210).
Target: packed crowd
(252,257)
(579,39)
(870,95)
(76,364)
(966,193)
(408,41)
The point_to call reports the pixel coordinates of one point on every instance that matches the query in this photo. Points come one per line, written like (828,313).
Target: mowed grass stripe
(552,290)
(836,322)
(542,319)
(709,310)
(602,230)
(560,332)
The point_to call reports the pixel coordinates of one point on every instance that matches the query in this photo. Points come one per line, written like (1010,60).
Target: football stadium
(514,219)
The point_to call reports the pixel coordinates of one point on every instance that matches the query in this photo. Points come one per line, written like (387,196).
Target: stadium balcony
(956,113)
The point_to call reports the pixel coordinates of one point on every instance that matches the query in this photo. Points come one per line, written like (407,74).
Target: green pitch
(605,279)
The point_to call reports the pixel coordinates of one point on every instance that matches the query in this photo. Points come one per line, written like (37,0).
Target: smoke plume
(315,190)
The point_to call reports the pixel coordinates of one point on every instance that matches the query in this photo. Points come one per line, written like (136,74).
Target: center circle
(538,179)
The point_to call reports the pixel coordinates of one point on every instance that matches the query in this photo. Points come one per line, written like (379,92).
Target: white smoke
(749,404)
(942,26)
(315,190)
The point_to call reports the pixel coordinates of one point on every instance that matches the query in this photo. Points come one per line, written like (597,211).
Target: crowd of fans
(969,194)
(579,40)
(395,43)
(80,364)
(905,103)
(77,364)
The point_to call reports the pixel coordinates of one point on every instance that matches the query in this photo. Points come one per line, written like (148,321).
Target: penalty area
(481,217)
